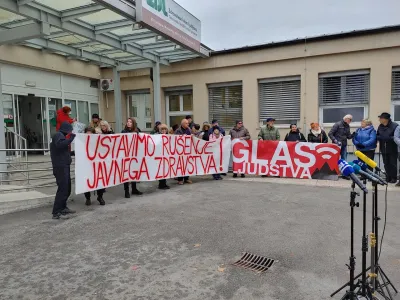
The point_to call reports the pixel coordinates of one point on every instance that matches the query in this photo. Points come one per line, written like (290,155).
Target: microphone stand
(351,294)
(376,269)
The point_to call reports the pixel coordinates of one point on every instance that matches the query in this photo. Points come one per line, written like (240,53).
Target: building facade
(310,80)
(302,81)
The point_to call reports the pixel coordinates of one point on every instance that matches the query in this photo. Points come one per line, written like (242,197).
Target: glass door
(54,106)
(45,124)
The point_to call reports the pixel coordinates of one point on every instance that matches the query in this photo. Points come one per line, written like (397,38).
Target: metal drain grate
(254,262)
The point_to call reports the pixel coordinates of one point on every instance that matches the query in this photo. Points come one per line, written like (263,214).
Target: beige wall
(378,53)
(35,58)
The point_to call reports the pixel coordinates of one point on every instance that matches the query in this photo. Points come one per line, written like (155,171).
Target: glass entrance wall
(34,118)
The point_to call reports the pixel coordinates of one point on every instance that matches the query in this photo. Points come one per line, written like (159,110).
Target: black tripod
(376,269)
(363,288)
(351,294)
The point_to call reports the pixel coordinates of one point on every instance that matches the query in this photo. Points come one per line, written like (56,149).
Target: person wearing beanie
(190,120)
(294,135)
(156,128)
(317,134)
(388,146)
(213,124)
(63,116)
(95,123)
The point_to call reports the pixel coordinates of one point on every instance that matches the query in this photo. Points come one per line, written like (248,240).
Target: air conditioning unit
(106,85)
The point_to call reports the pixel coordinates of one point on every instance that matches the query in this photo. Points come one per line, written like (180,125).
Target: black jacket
(127,131)
(295,136)
(340,132)
(385,137)
(321,138)
(59,147)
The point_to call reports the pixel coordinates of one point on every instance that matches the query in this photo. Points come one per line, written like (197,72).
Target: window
(225,103)
(279,98)
(94,109)
(343,93)
(83,112)
(179,104)
(139,107)
(72,105)
(396,94)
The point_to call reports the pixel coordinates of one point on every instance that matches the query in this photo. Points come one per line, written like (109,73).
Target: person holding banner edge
(239,132)
(162,184)
(61,161)
(100,192)
(131,127)
(294,135)
(184,130)
(269,133)
(317,134)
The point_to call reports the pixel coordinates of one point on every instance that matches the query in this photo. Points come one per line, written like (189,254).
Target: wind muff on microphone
(348,171)
(368,161)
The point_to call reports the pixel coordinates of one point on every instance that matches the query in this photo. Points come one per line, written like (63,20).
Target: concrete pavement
(179,244)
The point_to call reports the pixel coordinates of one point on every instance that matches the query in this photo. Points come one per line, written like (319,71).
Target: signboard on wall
(170,19)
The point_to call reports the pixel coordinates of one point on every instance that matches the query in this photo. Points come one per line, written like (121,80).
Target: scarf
(316,132)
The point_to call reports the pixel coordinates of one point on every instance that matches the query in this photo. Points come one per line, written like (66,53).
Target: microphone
(368,161)
(358,170)
(364,167)
(348,170)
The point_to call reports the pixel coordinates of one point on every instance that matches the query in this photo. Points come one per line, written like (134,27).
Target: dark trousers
(126,186)
(390,162)
(162,183)
(216,176)
(183,178)
(99,193)
(63,180)
(370,154)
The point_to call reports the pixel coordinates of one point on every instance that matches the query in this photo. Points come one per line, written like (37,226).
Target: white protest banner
(103,161)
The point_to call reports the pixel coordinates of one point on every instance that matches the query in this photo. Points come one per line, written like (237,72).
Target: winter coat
(61,118)
(397,137)
(242,132)
(269,134)
(295,137)
(182,131)
(204,135)
(127,131)
(211,130)
(340,133)
(214,138)
(320,138)
(107,132)
(365,138)
(385,137)
(59,146)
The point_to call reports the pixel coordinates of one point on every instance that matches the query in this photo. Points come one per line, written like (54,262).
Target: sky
(237,23)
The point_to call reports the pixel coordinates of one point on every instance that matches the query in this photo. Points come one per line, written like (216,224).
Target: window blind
(396,86)
(345,89)
(280,100)
(225,104)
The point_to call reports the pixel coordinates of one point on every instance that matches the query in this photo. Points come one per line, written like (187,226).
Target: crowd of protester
(365,139)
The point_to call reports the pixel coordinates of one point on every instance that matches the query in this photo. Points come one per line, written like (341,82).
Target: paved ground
(180,244)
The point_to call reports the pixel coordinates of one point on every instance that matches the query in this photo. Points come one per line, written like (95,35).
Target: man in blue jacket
(61,161)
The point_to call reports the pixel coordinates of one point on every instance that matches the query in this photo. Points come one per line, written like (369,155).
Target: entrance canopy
(124,34)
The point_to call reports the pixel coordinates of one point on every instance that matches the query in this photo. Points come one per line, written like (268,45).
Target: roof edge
(319,38)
